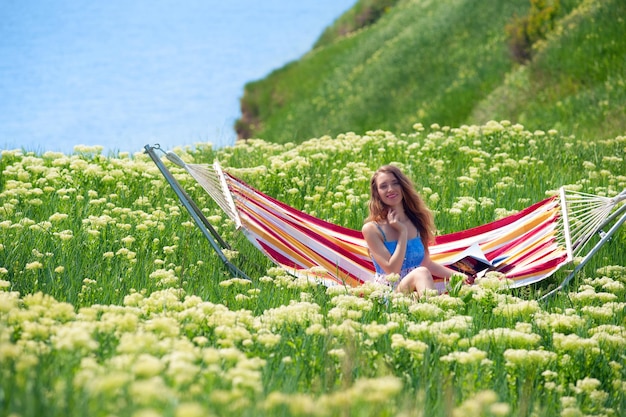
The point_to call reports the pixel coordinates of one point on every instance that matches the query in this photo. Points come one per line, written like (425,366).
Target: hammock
(526,247)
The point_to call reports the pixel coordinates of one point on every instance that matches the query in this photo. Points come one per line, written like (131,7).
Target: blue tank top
(412,258)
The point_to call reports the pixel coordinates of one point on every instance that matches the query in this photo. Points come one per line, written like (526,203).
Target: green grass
(112,302)
(576,80)
(448,62)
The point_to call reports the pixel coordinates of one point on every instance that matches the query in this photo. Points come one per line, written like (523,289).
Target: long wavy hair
(414,206)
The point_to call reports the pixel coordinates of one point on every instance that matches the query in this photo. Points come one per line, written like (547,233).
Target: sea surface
(126,73)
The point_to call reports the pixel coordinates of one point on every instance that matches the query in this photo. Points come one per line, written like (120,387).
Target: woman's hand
(470,278)
(392,220)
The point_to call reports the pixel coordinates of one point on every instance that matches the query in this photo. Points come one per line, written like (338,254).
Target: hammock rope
(526,247)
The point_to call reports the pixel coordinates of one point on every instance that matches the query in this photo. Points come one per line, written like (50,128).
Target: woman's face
(389,189)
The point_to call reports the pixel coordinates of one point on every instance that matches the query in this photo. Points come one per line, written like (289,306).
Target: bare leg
(417,280)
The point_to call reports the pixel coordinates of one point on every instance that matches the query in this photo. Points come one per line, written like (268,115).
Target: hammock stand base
(219,245)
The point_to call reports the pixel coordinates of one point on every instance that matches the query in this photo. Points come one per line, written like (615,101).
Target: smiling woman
(398,231)
(122,74)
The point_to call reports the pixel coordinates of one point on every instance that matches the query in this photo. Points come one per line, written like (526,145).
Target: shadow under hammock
(526,247)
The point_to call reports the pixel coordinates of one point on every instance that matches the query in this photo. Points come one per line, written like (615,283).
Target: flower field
(112,303)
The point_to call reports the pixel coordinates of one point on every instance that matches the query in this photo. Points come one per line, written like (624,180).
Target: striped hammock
(526,247)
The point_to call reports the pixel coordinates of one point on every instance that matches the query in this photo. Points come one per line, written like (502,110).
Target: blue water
(126,73)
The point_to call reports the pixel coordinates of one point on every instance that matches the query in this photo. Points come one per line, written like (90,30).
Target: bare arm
(436,269)
(389,262)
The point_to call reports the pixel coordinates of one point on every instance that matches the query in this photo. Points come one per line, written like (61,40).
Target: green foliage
(426,61)
(524,31)
(364,13)
(450,63)
(576,80)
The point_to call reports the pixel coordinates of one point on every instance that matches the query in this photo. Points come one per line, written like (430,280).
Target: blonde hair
(414,206)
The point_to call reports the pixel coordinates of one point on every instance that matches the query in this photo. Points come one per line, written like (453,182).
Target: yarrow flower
(235,281)
(65,235)
(472,356)
(57,217)
(559,322)
(415,347)
(128,240)
(572,343)
(588,295)
(392,277)
(494,281)
(164,277)
(529,358)
(517,309)
(32,266)
(375,330)
(483,403)
(426,311)
(505,337)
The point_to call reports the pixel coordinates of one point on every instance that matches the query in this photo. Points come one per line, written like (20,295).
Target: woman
(398,231)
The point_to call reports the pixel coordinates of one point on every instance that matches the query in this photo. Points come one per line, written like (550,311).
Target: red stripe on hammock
(442,239)
(494,254)
(289,246)
(280,259)
(547,266)
(478,230)
(505,267)
(304,216)
(310,233)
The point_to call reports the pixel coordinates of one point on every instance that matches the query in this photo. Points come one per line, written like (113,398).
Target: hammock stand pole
(201,221)
(605,237)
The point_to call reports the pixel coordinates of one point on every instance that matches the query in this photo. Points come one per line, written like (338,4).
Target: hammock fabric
(526,247)
(526,243)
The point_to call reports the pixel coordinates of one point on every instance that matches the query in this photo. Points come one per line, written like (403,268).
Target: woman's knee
(421,276)
(418,280)
(422,271)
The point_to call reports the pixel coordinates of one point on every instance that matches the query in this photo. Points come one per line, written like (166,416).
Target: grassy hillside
(390,64)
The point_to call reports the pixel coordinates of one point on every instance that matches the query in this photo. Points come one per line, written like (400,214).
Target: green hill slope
(448,62)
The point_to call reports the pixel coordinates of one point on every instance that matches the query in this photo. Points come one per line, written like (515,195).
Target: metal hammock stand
(217,243)
(526,247)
